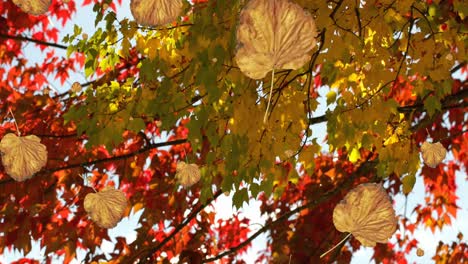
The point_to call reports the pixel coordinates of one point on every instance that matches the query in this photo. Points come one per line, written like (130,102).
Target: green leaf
(254,189)
(136,124)
(240,197)
(206,193)
(76,30)
(432,105)
(382,170)
(75,113)
(461,7)
(408,183)
(367,140)
(445,88)
(226,185)
(267,185)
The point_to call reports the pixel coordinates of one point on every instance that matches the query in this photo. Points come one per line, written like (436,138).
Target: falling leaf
(106,208)
(155,12)
(22,156)
(433,153)
(76,87)
(187,174)
(33,7)
(289,153)
(367,213)
(273,34)
(419,252)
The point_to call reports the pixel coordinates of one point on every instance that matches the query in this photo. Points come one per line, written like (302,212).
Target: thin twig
(151,250)
(110,159)
(339,243)
(85,178)
(269,97)
(311,205)
(40,42)
(16,124)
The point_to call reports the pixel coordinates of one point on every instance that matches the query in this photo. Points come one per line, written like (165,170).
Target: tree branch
(325,197)
(40,42)
(152,250)
(338,5)
(447,103)
(114,158)
(458,67)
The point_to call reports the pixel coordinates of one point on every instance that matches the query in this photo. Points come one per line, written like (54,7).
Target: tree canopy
(223,100)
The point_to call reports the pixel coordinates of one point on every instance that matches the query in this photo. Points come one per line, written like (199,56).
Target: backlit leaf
(22,156)
(106,207)
(367,213)
(273,34)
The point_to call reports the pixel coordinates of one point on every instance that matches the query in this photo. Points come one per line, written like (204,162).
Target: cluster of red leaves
(305,237)
(229,235)
(306,241)
(457,252)
(20,26)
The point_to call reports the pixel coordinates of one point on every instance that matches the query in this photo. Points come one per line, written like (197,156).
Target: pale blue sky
(223,205)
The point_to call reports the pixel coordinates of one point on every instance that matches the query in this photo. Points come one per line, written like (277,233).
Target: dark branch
(40,42)
(458,67)
(448,102)
(148,252)
(114,158)
(120,157)
(338,5)
(55,136)
(364,166)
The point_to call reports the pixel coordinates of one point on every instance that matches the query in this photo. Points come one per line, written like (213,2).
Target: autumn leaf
(433,153)
(106,207)
(273,34)
(367,213)
(22,156)
(33,7)
(373,90)
(187,174)
(155,12)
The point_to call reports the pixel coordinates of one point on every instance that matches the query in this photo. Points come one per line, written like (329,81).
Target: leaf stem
(186,158)
(14,120)
(339,243)
(269,97)
(85,178)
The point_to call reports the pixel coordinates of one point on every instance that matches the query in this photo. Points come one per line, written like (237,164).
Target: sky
(223,206)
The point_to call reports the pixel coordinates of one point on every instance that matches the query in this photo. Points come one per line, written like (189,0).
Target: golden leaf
(433,153)
(187,174)
(273,34)
(33,7)
(22,156)
(367,213)
(106,208)
(289,153)
(420,252)
(155,12)
(76,87)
